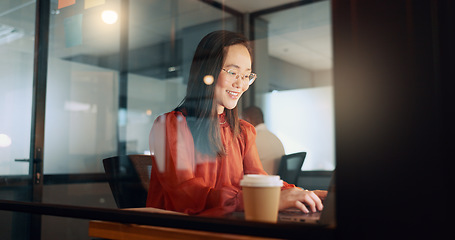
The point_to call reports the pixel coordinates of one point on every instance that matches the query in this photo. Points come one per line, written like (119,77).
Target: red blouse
(187,181)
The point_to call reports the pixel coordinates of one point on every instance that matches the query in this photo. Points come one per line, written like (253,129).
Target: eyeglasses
(234,75)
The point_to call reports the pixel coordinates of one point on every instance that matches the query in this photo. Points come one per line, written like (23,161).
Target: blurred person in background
(269,146)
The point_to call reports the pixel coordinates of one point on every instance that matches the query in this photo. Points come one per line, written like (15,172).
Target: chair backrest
(128,178)
(143,166)
(290,167)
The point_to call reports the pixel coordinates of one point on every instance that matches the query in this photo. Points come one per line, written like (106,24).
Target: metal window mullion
(40,59)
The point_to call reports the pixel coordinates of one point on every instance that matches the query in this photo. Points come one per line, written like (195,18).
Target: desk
(123,231)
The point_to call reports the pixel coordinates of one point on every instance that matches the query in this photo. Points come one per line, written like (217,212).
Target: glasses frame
(251,77)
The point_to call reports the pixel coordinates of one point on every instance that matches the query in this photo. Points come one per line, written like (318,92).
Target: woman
(202,149)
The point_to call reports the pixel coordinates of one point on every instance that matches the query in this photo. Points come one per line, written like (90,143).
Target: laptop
(325,217)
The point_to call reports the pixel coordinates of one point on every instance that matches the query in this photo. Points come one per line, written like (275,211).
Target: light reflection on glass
(208,79)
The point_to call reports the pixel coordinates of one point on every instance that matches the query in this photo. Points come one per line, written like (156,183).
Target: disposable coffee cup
(261,197)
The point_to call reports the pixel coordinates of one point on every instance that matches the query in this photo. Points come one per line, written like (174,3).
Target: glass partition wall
(293,52)
(17,35)
(113,66)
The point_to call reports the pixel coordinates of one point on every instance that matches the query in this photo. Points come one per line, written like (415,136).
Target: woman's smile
(232,94)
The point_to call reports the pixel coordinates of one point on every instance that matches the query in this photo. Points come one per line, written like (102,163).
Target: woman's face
(230,87)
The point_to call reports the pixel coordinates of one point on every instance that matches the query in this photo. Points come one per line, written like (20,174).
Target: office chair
(128,178)
(290,167)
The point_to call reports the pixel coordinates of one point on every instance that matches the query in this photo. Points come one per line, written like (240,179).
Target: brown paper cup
(261,197)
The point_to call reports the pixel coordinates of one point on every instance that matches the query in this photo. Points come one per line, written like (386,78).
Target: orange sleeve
(175,184)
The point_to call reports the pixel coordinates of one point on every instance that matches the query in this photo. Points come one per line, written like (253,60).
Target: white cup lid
(257,180)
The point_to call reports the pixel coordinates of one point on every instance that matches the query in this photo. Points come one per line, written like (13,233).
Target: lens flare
(208,79)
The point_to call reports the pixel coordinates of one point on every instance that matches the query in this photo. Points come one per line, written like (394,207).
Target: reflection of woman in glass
(202,149)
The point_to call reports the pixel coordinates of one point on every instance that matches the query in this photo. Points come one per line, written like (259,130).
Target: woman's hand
(322,194)
(304,200)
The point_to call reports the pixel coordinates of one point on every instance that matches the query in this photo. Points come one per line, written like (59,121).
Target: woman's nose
(241,84)
(238,83)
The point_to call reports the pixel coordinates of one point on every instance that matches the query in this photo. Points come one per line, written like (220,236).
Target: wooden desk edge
(121,231)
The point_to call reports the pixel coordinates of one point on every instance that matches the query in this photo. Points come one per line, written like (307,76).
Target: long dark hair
(198,105)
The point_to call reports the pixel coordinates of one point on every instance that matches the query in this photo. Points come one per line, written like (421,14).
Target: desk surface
(121,231)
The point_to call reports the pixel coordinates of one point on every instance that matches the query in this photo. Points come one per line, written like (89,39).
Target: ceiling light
(109,16)
(5,140)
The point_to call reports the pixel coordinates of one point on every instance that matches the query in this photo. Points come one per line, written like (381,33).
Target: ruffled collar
(222,119)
